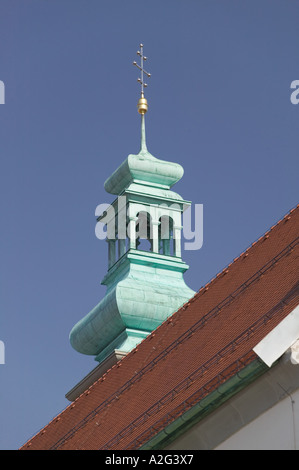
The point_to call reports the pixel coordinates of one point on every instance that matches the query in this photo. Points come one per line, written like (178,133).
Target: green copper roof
(143,287)
(143,167)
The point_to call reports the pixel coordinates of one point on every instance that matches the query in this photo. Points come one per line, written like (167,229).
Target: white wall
(264,416)
(276,429)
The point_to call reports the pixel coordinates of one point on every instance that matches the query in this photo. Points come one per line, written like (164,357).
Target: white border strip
(281,338)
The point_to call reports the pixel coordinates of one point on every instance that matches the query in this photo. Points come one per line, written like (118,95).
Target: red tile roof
(206,341)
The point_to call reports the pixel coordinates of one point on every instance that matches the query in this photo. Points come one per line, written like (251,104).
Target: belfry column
(155,236)
(177,240)
(111,252)
(132,231)
(121,247)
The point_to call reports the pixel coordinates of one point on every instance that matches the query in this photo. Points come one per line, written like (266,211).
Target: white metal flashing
(280,339)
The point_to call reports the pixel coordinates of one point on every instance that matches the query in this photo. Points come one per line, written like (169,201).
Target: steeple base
(125,342)
(143,290)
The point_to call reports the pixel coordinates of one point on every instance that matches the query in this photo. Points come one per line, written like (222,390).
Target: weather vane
(142,103)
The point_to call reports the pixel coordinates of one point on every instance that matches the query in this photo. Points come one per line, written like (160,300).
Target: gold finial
(142,105)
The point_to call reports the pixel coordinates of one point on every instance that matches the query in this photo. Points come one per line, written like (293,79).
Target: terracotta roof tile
(199,346)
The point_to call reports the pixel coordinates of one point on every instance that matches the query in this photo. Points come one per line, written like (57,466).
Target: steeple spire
(142,105)
(143,148)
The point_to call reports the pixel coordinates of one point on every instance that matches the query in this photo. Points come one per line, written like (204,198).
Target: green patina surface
(142,291)
(143,287)
(144,167)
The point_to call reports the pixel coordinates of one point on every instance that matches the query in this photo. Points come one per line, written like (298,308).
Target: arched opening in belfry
(166,241)
(144,232)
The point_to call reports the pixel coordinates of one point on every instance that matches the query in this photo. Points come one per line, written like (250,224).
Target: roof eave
(207,405)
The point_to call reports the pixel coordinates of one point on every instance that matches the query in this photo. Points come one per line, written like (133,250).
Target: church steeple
(145,269)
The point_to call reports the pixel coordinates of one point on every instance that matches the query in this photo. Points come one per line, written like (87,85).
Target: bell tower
(144,280)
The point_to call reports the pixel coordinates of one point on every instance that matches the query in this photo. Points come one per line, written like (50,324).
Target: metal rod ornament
(142,70)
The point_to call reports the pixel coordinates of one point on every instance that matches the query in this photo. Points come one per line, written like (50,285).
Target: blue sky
(219,104)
